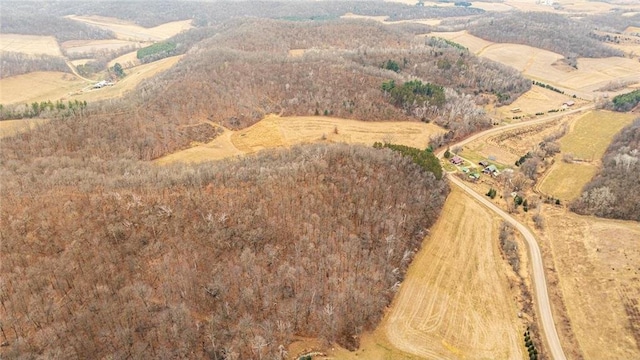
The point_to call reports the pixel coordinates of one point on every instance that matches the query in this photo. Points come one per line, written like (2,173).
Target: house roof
(492,168)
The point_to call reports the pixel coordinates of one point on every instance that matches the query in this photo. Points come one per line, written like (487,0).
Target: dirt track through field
(455,301)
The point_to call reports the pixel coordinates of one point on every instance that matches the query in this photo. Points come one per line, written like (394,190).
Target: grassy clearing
(130,31)
(275,131)
(593,132)
(565,181)
(38,86)
(30,44)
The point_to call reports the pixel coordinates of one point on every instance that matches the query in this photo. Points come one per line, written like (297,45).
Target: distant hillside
(239,75)
(198,262)
(553,32)
(615,191)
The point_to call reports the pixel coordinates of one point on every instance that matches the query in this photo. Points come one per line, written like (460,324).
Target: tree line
(14,64)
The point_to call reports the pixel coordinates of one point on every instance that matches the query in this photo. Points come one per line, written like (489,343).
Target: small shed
(569,103)
(484,163)
(474,176)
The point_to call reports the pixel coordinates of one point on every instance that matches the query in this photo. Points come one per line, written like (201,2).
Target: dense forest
(615,191)
(223,260)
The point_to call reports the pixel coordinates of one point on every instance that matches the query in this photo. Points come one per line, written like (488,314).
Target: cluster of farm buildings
(487,168)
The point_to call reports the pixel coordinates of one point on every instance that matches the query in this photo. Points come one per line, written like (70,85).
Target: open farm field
(633,30)
(130,31)
(491,6)
(29,44)
(38,86)
(127,60)
(383,19)
(592,133)
(565,181)
(587,140)
(42,86)
(543,65)
(92,46)
(536,100)
(275,131)
(597,263)
(473,43)
(12,127)
(134,76)
(455,301)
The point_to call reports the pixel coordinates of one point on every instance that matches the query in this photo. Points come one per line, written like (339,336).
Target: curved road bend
(539,280)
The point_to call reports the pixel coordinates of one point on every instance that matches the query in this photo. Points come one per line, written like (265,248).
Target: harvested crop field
(598,265)
(29,44)
(473,43)
(545,66)
(534,101)
(275,131)
(456,301)
(75,47)
(38,86)
(130,31)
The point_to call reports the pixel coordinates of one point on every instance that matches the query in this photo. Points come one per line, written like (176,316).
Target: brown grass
(30,44)
(127,60)
(275,131)
(38,86)
(130,31)
(565,181)
(456,300)
(597,261)
(91,46)
(542,65)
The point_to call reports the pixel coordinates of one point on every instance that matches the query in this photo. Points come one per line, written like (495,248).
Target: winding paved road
(539,281)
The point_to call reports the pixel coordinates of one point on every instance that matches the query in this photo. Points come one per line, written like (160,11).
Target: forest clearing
(275,131)
(129,31)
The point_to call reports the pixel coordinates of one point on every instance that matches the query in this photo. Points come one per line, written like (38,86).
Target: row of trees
(42,109)
(18,63)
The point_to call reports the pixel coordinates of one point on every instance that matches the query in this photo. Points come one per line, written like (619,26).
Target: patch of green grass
(593,133)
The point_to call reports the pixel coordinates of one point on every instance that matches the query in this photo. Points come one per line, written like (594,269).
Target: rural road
(539,280)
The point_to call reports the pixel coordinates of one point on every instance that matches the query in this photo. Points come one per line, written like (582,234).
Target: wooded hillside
(230,258)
